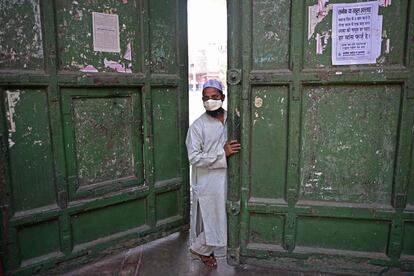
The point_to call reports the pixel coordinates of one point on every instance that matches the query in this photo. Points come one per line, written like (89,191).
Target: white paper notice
(356,33)
(105,32)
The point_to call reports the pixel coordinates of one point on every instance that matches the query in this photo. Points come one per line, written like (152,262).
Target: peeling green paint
(21,45)
(163,38)
(92,143)
(393,35)
(349,143)
(75,44)
(103,136)
(325,176)
(271,34)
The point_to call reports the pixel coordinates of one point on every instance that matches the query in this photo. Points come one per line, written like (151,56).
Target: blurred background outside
(207,49)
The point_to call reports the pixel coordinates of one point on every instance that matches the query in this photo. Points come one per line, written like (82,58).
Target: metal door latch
(233,207)
(234,76)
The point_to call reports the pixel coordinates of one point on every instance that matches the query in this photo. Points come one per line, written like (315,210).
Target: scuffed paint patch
(282,110)
(271,35)
(38,46)
(11,143)
(237,112)
(319,49)
(316,14)
(258,117)
(387,46)
(163,55)
(88,69)
(258,102)
(116,66)
(322,42)
(13,98)
(128,53)
(37,142)
(28,132)
(385,3)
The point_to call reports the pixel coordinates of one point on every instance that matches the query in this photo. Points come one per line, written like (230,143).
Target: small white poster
(105,32)
(356,33)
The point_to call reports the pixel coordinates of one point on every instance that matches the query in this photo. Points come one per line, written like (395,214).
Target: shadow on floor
(168,256)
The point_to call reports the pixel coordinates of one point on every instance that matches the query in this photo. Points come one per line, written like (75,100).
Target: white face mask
(212,105)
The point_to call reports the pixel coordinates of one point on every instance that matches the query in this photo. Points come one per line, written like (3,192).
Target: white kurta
(205,141)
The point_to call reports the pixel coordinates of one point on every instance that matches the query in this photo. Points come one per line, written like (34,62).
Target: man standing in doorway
(208,150)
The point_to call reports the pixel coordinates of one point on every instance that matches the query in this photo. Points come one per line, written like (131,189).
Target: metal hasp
(325,178)
(93,158)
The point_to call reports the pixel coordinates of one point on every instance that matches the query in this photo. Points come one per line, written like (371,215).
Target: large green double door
(325,177)
(91,142)
(92,152)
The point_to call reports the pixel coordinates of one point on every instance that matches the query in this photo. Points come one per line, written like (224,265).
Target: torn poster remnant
(356,33)
(385,3)
(89,69)
(316,14)
(116,66)
(128,52)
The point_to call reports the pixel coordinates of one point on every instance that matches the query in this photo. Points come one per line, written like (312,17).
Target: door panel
(102,130)
(271,34)
(269,138)
(163,36)
(167,206)
(342,234)
(166,139)
(30,149)
(408,245)
(324,180)
(349,139)
(45,245)
(92,144)
(266,231)
(92,225)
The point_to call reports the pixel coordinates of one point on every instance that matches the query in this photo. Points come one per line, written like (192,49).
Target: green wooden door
(93,117)
(325,179)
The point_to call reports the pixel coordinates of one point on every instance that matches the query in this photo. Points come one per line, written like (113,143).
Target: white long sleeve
(205,146)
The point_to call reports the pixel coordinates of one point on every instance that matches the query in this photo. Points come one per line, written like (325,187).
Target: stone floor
(169,256)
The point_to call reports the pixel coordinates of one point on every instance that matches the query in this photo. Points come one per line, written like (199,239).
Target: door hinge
(292,194)
(410,93)
(399,201)
(233,256)
(289,243)
(63,199)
